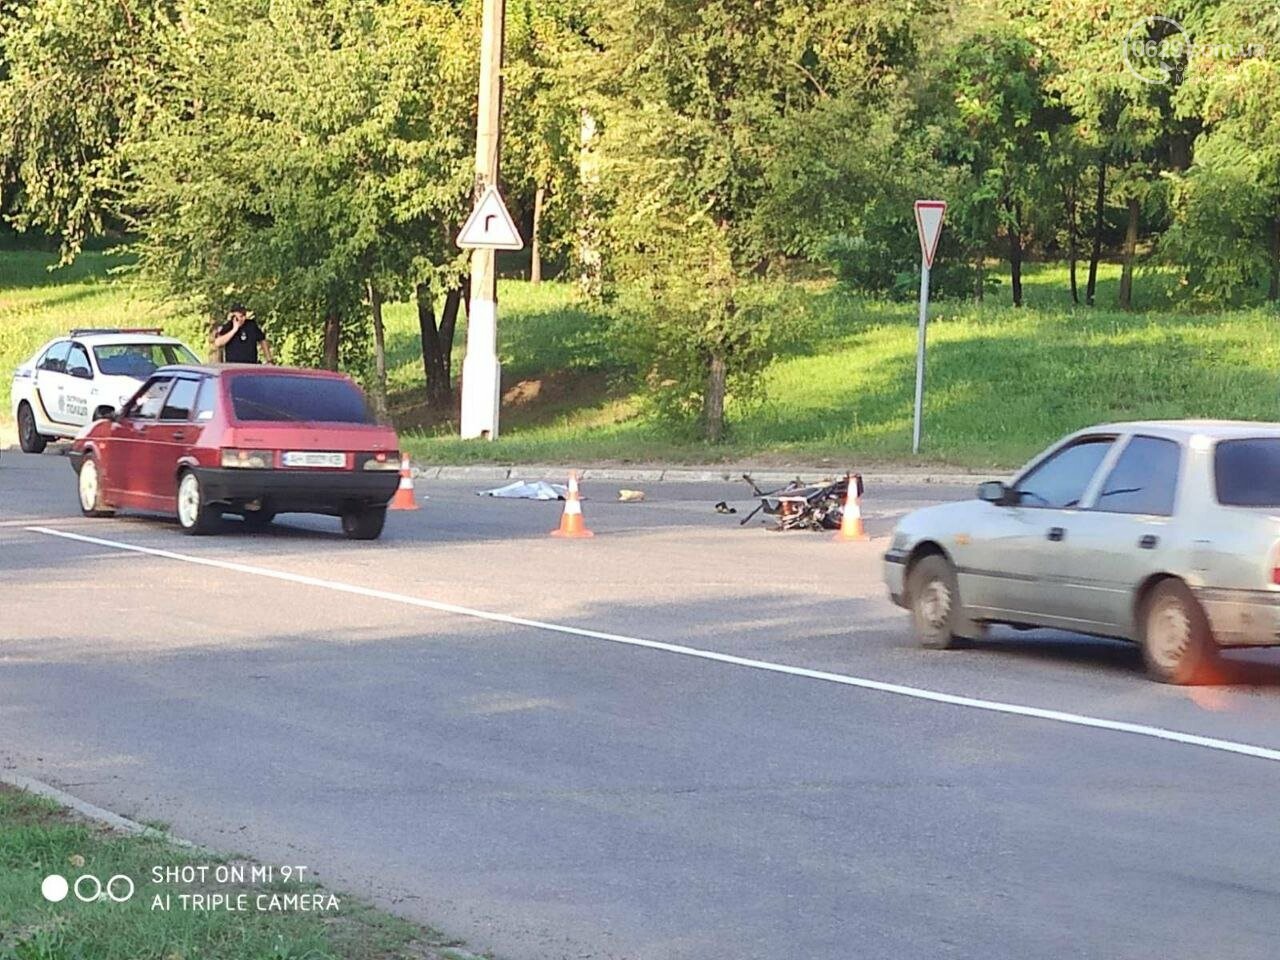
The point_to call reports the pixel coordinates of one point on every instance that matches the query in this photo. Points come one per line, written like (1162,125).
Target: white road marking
(917,693)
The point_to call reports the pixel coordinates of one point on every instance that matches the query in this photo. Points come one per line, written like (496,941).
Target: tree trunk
(215,353)
(448,324)
(332,334)
(433,355)
(1099,210)
(1130,246)
(1273,291)
(535,268)
(379,352)
(1015,250)
(1072,243)
(713,401)
(979,288)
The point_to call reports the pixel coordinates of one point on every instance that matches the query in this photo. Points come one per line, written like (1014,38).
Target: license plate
(313,458)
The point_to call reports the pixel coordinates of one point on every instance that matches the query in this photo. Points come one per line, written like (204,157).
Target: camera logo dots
(55,888)
(87,888)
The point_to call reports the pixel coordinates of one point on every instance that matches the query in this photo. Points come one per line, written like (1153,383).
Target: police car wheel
(29,437)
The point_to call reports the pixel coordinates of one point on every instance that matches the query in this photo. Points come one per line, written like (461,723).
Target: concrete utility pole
(481,372)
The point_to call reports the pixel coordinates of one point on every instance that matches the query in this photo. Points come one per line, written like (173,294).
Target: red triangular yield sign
(929,224)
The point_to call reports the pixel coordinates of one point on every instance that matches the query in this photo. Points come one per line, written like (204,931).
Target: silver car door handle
(1056,534)
(1149,542)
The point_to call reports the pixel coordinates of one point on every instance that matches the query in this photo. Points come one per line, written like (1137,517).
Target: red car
(203,441)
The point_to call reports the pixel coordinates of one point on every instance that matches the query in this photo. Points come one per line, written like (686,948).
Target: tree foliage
(700,102)
(305,149)
(80,85)
(314,157)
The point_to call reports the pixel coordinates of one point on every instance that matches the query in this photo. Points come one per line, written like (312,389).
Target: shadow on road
(1236,668)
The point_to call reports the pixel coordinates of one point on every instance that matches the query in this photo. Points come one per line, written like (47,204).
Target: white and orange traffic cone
(404,498)
(572,524)
(851,527)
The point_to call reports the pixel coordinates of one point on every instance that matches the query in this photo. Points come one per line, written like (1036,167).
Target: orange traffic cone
(404,499)
(851,527)
(571,523)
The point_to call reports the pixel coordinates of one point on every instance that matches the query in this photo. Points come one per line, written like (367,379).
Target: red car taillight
(381,461)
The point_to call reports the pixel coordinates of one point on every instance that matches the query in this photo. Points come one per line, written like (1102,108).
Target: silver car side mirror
(994,491)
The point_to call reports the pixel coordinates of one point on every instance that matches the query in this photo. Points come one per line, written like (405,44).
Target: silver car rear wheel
(1177,644)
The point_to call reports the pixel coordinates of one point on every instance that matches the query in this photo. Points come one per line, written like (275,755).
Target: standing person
(239,337)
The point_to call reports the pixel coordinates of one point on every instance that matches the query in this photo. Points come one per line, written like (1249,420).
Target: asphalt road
(550,793)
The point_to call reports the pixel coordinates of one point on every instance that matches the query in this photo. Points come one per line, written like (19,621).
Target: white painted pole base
(481,374)
(481,383)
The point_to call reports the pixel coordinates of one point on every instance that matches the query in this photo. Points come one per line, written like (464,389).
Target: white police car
(74,380)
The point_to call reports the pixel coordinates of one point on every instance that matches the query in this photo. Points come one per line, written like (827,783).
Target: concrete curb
(95,813)
(490,473)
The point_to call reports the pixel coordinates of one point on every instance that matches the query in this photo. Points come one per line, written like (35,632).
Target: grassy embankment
(1001,382)
(39,839)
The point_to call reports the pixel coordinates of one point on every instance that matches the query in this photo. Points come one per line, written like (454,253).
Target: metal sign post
(929,225)
(920,337)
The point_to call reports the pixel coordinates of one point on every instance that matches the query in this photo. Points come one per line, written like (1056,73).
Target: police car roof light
(85,331)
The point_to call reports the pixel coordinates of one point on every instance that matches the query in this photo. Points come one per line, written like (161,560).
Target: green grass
(37,838)
(1001,382)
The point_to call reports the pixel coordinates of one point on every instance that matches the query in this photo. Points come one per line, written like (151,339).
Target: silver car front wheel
(935,603)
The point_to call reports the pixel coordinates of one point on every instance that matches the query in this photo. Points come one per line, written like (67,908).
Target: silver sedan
(1164,533)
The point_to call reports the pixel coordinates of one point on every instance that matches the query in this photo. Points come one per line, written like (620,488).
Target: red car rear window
(285,398)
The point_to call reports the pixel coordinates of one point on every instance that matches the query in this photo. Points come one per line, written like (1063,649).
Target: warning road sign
(490,225)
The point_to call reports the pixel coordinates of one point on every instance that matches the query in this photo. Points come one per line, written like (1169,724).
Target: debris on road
(630,496)
(723,507)
(528,490)
(801,506)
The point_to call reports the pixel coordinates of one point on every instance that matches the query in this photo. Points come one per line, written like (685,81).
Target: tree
(1226,230)
(698,99)
(315,180)
(998,121)
(544,99)
(79,88)
(1118,73)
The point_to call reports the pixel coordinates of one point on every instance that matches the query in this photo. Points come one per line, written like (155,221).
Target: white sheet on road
(528,490)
